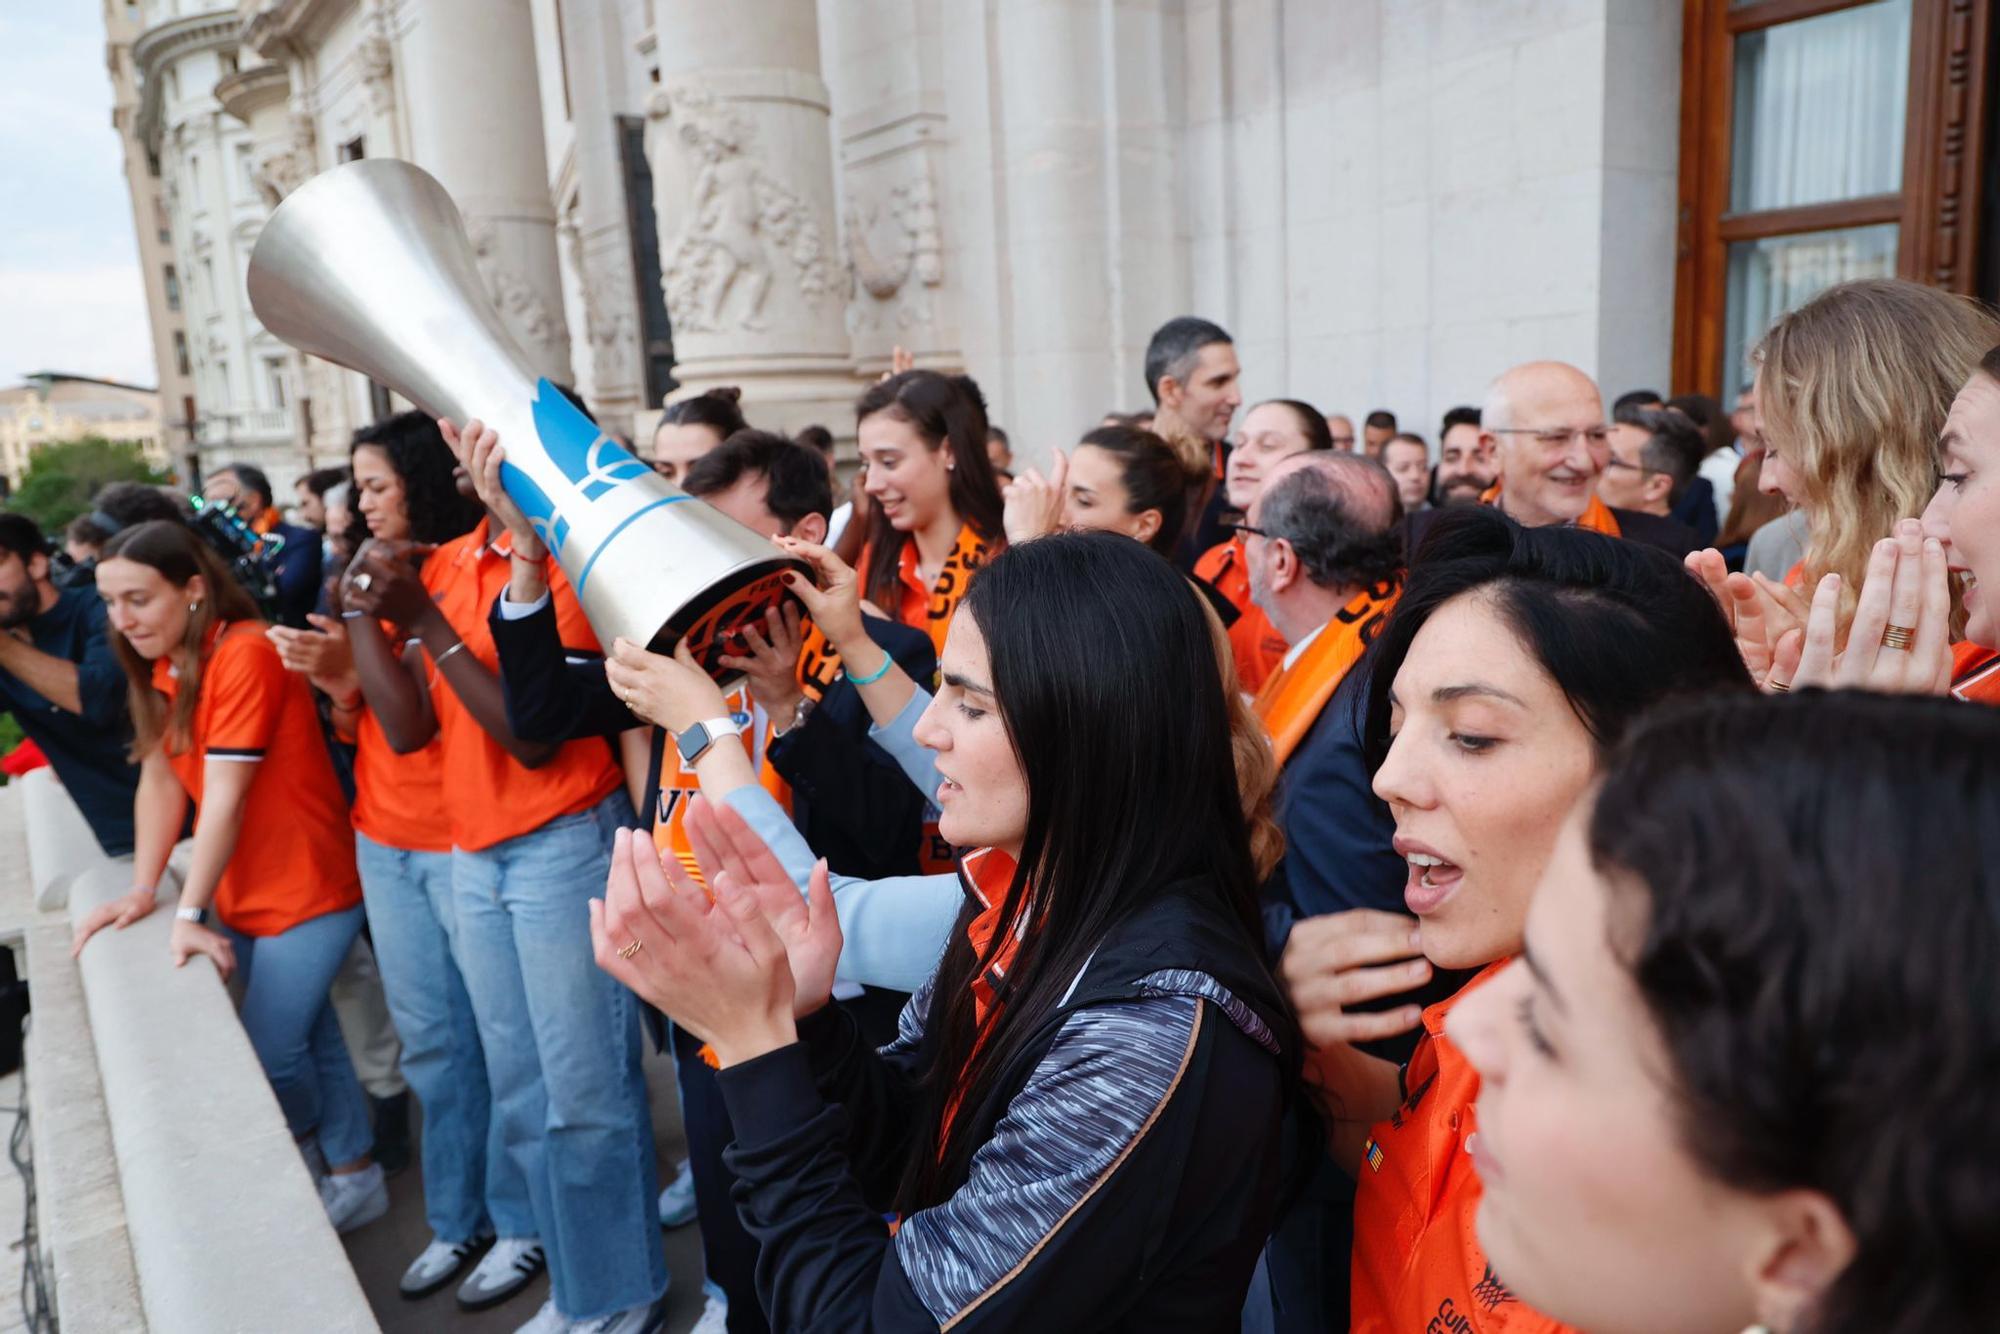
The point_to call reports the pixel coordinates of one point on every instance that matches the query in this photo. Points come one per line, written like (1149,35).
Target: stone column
(739,143)
(596,234)
(473,121)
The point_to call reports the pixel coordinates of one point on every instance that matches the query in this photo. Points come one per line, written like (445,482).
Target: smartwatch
(695,741)
(199,916)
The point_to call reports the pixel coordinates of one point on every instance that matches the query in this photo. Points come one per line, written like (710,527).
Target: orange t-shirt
(1258,646)
(398,799)
(489,797)
(1975,673)
(1596,517)
(294,858)
(1418,1264)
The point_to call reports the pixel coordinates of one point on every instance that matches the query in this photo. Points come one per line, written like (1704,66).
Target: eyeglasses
(1555,437)
(1244,528)
(1616,462)
(1342,441)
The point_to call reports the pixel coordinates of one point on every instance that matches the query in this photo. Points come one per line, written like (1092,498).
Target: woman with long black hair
(1515,660)
(1079,1122)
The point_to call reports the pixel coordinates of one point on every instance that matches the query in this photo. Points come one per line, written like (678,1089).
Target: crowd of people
(1224,871)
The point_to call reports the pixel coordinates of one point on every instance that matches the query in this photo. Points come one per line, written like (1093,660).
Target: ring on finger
(1777,687)
(1899,637)
(629,950)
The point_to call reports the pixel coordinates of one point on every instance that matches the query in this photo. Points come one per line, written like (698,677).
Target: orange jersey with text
(1418,1265)
(294,856)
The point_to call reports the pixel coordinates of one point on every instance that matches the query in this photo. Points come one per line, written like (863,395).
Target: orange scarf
(930,609)
(986,874)
(1596,516)
(1290,702)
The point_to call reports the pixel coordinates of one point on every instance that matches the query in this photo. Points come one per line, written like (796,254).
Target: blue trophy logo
(591,460)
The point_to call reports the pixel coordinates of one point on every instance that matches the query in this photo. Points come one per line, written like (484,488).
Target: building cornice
(284,27)
(160,46)
(250,91)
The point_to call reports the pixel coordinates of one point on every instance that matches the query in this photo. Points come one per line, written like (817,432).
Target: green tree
(61,478)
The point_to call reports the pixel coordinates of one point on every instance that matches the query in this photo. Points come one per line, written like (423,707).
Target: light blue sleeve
(899,741)
(895,930)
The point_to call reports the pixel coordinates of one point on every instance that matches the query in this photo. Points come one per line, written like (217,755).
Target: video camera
(252,556)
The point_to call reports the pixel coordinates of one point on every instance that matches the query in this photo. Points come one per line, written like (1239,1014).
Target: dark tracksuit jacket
(1129,1162)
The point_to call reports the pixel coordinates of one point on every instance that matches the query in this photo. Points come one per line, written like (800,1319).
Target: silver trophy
(367,265)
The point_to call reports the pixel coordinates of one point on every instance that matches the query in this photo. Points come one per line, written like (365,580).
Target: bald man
(1544,425)
(1341,427)
(1325,568)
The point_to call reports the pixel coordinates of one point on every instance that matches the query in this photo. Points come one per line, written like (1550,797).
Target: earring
(1758,1329)
(195,605)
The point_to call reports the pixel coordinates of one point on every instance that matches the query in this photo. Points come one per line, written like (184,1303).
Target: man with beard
(1465,466)
(64,685)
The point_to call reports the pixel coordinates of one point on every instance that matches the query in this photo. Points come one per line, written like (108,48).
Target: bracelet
(888,661)
(439,661)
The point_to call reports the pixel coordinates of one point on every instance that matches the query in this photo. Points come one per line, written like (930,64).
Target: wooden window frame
(1944,146)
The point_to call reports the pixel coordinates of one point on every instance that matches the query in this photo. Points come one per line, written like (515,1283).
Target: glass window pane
(1781,273)
(1819,108)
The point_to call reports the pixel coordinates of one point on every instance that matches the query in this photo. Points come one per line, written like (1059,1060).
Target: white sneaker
(649,1319)
(510,1266)
(438,1265)
(548,1320)
(354,1198)
(677,1200)
(714,1318)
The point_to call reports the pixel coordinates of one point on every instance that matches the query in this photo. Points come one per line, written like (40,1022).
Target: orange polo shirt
(1418,1265)
(1258,646)
(1975,673)
(398,799)
(294,857)
(488,796)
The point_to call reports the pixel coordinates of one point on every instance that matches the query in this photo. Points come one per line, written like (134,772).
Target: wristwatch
(797,720)
(696,740)
(199,916)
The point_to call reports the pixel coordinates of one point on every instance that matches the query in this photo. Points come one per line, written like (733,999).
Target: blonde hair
(1853,388)
(1256,763)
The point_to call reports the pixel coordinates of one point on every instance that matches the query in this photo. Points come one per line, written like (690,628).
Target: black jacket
(1128,1168)
(849,799)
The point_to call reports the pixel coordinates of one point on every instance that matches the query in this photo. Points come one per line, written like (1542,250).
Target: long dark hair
(1106,679)
(948,411)
(178,553)
(1155,478)
(1815,931)
(420,458)
(1618,626)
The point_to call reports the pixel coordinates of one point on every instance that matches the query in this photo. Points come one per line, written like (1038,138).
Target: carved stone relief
(895,250)
(374,58)
(609,321)
(743,228)
(527,315)
(283,167)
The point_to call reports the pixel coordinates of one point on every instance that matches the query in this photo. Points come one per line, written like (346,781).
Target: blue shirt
(88,751)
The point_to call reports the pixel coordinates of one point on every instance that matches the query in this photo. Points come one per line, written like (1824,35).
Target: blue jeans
(562,1054)
(291,1027)
(469,1180)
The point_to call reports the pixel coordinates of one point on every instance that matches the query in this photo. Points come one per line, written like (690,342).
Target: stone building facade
(1386,201)
(52,407)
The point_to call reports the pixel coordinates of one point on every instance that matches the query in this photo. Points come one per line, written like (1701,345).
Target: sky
(70,293)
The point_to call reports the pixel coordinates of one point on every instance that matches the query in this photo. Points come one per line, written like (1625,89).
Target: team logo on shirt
(1490,1292)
